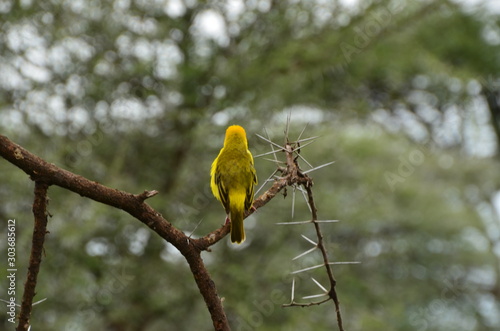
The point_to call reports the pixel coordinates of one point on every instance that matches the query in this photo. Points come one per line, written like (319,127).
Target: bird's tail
(237,209)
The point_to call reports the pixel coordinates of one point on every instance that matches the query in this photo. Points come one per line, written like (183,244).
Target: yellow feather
(233,178)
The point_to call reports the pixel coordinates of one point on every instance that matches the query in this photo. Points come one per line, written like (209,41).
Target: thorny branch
(332,293)
(294,176)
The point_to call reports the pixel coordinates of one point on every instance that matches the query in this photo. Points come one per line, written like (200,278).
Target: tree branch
(42,171)
(294,175)
(45,174)
(332,293)
(39,231)
(213,237)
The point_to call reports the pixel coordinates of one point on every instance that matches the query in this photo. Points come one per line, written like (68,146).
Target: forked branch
(45,174)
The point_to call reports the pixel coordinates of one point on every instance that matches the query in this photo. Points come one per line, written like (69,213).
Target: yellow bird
(233,178)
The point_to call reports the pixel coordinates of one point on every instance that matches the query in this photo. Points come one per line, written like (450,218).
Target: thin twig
(298,179)
(39,231)
(333,282)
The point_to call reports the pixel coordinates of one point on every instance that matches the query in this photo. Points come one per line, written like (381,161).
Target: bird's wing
(223,193)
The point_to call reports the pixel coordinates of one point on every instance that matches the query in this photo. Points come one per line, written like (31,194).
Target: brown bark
(42,171)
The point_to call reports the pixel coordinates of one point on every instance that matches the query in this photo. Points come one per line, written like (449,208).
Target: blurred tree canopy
(136,95)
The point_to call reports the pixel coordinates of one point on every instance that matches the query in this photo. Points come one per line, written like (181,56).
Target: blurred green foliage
(136,95)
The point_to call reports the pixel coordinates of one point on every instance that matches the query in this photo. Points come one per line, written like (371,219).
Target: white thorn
(304,129)
(275,161)
(315,296)
(302,146)
(271,152)
(266,181)
(306,252)
(319,285)
(318,167)
(306,269)
(272,148)
(305,198)
(287,128)
(294,223)
(269,141)
(39,301)
(303,159)
(347,262)
(311,241)
(306,139)
(321,265)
